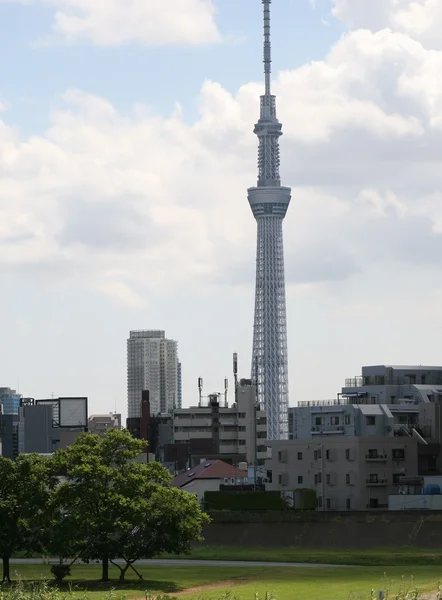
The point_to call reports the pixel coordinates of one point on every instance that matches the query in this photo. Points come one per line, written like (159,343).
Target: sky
(126,151)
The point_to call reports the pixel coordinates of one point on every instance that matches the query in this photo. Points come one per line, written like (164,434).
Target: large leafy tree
(25,489)
(111,506)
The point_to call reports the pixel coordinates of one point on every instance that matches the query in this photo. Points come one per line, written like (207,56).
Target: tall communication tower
(269,202)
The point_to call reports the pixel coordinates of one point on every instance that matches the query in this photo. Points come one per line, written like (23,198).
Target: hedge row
(244,501)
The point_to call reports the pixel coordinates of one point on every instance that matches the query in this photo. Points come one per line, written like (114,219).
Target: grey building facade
(347,473)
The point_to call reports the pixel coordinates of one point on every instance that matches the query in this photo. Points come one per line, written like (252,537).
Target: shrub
(60,571)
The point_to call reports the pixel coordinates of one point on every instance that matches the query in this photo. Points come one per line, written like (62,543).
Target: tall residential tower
(269,202)
(152,364)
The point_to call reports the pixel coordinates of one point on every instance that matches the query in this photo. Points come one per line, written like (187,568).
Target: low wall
(326,530)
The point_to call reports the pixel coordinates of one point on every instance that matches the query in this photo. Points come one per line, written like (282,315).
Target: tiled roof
(216,469)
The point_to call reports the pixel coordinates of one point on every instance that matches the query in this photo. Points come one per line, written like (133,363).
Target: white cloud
(420,19)
(148,22)
(133,204)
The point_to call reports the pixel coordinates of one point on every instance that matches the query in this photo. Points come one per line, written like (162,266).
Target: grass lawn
(372,557)
(208,583)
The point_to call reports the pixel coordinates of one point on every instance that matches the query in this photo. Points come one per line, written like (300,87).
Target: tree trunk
(123,573)
(6,570)
(140,577)
(105,568)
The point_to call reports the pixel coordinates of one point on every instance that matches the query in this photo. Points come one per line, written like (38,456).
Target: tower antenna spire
(267,47)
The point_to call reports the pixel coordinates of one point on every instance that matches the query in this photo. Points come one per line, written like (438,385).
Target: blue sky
(34,73)
(118,211)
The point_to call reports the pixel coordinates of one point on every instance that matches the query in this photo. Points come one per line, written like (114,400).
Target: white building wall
(200,486)
(152,364)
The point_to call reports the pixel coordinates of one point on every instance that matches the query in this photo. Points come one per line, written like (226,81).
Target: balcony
(328,430)
(376,458)
(228,435)
(376,482)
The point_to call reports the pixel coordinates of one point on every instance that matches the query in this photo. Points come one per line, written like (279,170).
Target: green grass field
(209,583)
(372,557)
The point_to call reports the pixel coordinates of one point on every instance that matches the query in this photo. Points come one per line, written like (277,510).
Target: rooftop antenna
(226,387)
(235,369)
(200,391)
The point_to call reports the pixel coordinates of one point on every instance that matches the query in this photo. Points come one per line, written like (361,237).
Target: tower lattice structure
(269,202)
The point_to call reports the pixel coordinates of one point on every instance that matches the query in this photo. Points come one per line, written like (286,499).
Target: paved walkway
(191,563)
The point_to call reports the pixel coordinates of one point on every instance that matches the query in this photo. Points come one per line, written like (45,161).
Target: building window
(242,442)
(347,479)
(373,478)
(334,420)
(327,479)
(347,419)
(398,454)
(319,501)
(299,455)
(370,421)
(300,479)
(241,428)
(396,477)
(348,504)
(282,456)
(319,421)
(317,455)
(347,454)
(328,503)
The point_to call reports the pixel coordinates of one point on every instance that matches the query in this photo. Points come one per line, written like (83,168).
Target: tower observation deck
(269,202)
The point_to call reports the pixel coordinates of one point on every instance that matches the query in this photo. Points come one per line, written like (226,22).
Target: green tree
(111,506)
(166,520)
(25,489)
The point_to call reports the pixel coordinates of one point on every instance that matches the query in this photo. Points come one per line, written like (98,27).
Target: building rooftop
(216,469)
(370,409)
(404,367)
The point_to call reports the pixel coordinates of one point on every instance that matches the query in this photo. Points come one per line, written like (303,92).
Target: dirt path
(214,586)
(229,583)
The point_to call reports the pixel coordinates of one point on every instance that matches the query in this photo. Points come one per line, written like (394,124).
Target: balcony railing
(354,382)
(376,458)
(328,430)
(376,482)
(334,402)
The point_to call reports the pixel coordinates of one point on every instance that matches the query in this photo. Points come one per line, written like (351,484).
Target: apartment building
(338,418)
(386,384)
(99,424)
(348,473)
(389,401)
(236,432)
(153,366)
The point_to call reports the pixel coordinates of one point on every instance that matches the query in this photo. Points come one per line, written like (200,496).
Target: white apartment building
(152,364)
(239,429)
(388,384)
(384,400)
(347,473)
(99,424)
